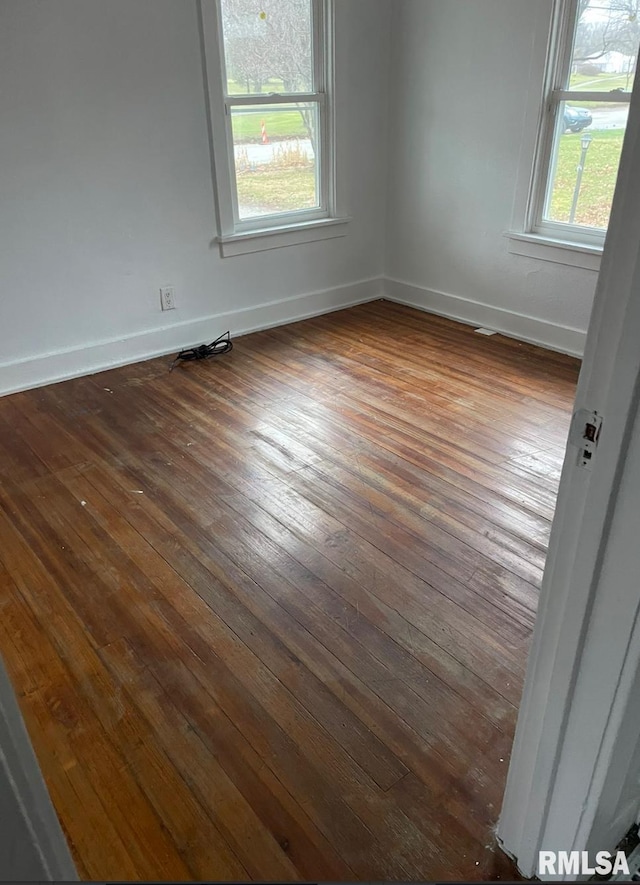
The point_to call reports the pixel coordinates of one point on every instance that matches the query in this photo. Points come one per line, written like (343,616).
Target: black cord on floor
(221,345)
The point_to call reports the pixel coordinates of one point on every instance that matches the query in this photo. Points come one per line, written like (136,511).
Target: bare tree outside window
(268,46)
(605,30)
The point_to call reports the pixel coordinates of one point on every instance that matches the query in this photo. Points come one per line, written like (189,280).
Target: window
(592,62)
(271,115)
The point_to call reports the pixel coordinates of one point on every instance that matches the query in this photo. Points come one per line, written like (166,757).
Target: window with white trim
(592,62)
(272,128)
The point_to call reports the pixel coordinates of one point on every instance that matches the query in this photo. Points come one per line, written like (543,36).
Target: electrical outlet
(167,298)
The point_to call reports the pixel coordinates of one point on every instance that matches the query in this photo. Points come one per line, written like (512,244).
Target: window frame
(236,235)
(557,75)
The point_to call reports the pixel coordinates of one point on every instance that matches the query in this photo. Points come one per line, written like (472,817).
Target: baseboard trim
(60,365)
(562,339)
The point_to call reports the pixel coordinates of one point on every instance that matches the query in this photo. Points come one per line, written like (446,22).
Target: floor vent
(485,331)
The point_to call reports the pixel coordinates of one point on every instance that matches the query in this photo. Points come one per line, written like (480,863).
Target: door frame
(575,674)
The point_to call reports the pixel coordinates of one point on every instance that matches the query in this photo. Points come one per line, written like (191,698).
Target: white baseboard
(516,325)
(73,362)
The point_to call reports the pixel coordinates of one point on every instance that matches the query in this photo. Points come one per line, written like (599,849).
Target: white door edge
(608,384)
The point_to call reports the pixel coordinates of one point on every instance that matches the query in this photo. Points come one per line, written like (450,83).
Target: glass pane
(605,47)
(585,162)
(268,46)
(276,158)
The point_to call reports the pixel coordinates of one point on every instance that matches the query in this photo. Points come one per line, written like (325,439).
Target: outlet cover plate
(167,298)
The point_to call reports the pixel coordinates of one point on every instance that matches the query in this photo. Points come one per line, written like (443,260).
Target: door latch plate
(585,434)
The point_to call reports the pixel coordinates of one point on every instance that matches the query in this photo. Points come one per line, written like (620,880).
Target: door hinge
(585,434)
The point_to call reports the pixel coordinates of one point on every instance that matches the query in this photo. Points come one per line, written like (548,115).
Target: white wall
(106,191)
(466,87)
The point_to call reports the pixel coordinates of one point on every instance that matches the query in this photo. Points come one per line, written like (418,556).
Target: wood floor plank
(271,647)
(321,752)
(268,616)
(373,371)
(218,794)
(513,526)
(251,554)
(265,701)
(450,553)
(277,498)
(379,420)
(81,742)
(191,743)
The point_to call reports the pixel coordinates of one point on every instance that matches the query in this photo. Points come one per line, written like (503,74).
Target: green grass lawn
(247,127)
(601,82)
(277,190)
(236,88)
(598,180)
(270,189)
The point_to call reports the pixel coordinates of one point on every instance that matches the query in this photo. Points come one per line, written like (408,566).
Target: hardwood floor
(268,615)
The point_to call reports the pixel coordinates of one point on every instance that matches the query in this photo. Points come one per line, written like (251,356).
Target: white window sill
(277,237)
(558,251)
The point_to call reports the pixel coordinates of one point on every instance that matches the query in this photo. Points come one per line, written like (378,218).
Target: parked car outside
(576,119)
